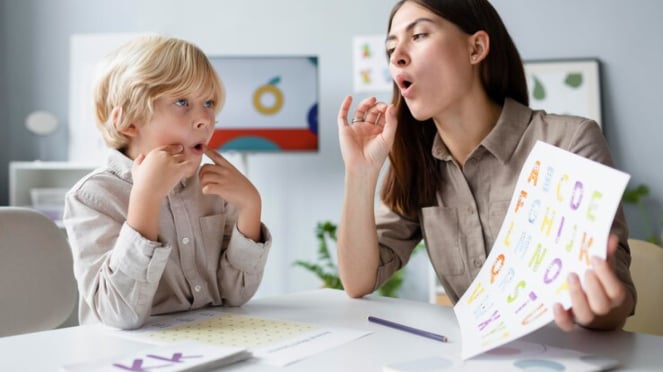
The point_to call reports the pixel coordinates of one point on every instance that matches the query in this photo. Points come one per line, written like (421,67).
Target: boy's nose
(204,120)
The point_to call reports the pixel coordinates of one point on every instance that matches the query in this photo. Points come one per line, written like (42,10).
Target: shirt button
(185,240)
(477,262)
(197,288)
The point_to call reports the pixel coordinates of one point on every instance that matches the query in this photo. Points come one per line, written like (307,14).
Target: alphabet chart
(559,217)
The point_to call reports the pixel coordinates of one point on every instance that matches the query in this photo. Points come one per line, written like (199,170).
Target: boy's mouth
(198,148)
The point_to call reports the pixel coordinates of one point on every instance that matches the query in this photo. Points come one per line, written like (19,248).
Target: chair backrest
(37,285)
(647,273)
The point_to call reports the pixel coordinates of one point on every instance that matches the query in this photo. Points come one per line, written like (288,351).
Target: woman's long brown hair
(413,177)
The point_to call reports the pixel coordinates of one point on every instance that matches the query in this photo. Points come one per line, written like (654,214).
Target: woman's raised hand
(367,138)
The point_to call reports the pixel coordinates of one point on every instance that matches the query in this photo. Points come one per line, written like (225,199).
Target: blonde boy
(152,231)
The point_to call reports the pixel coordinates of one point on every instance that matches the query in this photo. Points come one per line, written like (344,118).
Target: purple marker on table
(405,328)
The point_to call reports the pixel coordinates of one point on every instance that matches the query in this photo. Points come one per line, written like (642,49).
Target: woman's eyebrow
(410,26)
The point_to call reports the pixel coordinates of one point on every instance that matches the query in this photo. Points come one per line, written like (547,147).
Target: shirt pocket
(496,218)
(441,231)
(213,235)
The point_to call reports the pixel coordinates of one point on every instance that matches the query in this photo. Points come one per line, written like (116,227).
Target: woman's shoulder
(577,134)
(541,117)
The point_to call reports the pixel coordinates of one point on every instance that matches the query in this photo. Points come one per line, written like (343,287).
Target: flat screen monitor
(271,104)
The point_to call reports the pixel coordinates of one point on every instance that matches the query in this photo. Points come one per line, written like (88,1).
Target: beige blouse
(472,202)
(200,258)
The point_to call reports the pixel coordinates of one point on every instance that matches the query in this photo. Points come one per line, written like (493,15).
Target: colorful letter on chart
(559,217)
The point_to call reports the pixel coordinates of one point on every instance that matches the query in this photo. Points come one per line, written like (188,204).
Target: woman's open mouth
(404,84)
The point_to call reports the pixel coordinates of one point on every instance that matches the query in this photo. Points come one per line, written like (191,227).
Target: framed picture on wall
(571,87)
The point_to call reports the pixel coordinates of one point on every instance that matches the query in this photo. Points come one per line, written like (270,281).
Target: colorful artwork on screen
(271,104)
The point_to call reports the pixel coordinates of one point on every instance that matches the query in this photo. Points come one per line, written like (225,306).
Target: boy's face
(188,121)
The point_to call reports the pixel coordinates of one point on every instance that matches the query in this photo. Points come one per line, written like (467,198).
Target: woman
(457,133)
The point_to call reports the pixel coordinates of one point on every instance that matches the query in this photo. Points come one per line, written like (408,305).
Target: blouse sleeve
(397,238)
(589,142)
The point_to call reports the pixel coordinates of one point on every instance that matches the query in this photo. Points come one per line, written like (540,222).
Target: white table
(47,351)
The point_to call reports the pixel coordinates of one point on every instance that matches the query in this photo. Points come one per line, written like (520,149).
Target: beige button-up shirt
(472,202)
(200,257)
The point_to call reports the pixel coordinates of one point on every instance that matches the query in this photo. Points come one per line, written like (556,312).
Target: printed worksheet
(558,218)
(272,341)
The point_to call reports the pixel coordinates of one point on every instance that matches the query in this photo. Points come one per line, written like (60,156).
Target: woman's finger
(363,109)
(343,112)
(375,113)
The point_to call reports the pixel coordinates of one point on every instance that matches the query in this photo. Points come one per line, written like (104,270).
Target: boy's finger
(140,158)
(215,156)
(173,149)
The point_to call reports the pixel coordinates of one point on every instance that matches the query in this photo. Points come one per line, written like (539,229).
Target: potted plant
(327,270)
(636,197)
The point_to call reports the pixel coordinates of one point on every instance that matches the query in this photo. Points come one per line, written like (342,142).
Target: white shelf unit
(27,175)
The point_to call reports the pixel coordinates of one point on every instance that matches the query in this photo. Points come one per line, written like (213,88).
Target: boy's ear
(130,131)
(479,46)
(116,116)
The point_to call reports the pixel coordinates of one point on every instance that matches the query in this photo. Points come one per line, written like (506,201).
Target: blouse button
(197,288)
(185,240)
(477,262)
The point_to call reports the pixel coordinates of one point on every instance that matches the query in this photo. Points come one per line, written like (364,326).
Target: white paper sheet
(271,341)
(559,217)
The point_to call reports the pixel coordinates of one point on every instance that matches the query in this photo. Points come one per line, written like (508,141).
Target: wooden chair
(37,285)
(647,273)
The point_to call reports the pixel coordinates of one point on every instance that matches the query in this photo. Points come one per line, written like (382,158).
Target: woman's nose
(399,57)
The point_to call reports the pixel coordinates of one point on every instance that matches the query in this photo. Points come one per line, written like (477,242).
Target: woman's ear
(479,46)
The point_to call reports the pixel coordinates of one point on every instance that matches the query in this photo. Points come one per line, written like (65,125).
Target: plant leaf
(573,79)
(539,91)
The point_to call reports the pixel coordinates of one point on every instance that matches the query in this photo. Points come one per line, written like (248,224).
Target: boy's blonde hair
(141,71)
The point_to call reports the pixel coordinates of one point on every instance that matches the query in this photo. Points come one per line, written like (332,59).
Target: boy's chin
(193,169)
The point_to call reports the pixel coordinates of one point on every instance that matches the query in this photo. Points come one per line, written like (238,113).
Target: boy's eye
(182,102)
(209,104)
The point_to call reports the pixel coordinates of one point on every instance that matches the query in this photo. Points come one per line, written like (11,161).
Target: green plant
(636,196)
(326,269)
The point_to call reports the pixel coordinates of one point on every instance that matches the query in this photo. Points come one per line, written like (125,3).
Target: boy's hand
(223,179)
(157,173)
(154,175)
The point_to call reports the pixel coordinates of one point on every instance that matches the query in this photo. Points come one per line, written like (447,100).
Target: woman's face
(429,59)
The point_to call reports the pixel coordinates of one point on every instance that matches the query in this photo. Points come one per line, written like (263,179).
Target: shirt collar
(503,139)
(120,165)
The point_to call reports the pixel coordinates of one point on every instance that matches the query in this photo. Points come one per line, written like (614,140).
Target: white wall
(625,36)
(300,189)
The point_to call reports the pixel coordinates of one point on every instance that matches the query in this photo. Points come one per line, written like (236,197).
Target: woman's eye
(418,36)
(182,102)
(390,51)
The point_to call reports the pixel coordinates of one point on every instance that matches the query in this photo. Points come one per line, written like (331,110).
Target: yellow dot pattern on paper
(234,330)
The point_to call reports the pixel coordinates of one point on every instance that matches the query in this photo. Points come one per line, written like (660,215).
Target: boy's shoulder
(101,182)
